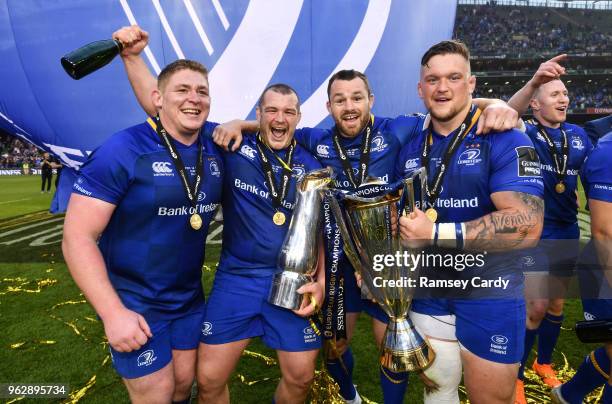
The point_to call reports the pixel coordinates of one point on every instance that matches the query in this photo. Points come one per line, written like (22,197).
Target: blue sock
(529,340)
(343,375)
(587,378)
(548,334)
(393,385)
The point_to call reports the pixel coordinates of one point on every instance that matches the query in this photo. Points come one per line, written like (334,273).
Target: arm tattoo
(508,228)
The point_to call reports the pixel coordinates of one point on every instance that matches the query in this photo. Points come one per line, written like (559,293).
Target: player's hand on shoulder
(133,38)
(497,117)
(313,299)
(416,229)
(126,330)
(227,133)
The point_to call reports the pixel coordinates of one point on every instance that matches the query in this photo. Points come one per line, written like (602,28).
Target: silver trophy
(299,254)
(370,228)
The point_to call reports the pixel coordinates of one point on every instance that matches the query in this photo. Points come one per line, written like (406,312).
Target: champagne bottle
(89,58)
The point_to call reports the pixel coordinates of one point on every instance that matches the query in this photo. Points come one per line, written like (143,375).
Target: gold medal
(560,188)
(279,218)
(195,221)
(431,214)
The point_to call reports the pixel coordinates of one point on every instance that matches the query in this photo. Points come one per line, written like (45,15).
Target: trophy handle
(349,248)
(407,203)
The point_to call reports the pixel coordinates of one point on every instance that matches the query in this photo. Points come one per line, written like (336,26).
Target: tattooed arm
(517,223)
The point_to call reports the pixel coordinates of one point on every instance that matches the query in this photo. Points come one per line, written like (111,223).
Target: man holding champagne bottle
(135,232)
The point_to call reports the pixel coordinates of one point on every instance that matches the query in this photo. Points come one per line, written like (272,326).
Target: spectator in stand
(46,173)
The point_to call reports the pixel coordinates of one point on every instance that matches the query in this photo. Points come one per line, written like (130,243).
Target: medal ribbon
(190,191)
(560,161)
(468,123)
(277,197)
(334,320)
(364,157)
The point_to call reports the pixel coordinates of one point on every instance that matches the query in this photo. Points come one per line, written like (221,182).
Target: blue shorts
(238,309)
(561,246)
(353,300)
(182,334)
(493,329)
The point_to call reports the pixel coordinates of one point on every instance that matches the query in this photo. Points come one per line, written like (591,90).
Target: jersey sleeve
(208,129)
(405,127)
(586,140)
(400,164)
(308,138)
(515,165)
(107,173)
(598,173)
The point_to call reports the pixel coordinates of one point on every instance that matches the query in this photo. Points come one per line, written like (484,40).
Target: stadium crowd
(485,30)
(583,95)
(14,153)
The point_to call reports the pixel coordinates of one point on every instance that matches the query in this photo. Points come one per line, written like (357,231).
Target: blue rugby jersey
(251,241)
(597,181)
(560,209)
(597,171)
(482,165)
(388,137)
(152,255)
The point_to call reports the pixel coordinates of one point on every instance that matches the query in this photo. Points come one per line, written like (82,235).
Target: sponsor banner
(606,110)
(18,171)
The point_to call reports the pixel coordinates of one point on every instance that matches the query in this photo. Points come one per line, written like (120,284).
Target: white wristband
(447,237)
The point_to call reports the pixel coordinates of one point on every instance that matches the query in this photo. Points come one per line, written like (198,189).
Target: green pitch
(50,335)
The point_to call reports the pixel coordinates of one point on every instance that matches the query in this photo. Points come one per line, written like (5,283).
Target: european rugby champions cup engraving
(370,227)
(298,257)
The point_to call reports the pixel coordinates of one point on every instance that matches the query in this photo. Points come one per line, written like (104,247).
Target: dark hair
(455,47)
(280,88)
(178,65)
(348,75)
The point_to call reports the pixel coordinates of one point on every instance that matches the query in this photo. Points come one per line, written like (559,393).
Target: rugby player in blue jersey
(562,148)
(483,194)
(373,143)
(255,223)
(135,231)
(595,273)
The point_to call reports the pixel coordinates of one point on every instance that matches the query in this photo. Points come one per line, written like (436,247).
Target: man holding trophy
(483,194)
(359,146)
(259,196)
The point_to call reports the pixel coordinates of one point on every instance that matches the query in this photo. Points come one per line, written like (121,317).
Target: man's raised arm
(548,71)
(134,40)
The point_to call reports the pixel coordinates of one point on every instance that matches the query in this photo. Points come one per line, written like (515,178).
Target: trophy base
(403,349)
(283,292)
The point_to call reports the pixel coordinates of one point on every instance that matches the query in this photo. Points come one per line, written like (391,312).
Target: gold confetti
(246,382)
(68,302)
(72,325)
(40,284)
(267,360)
(22,344)
(76,395)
